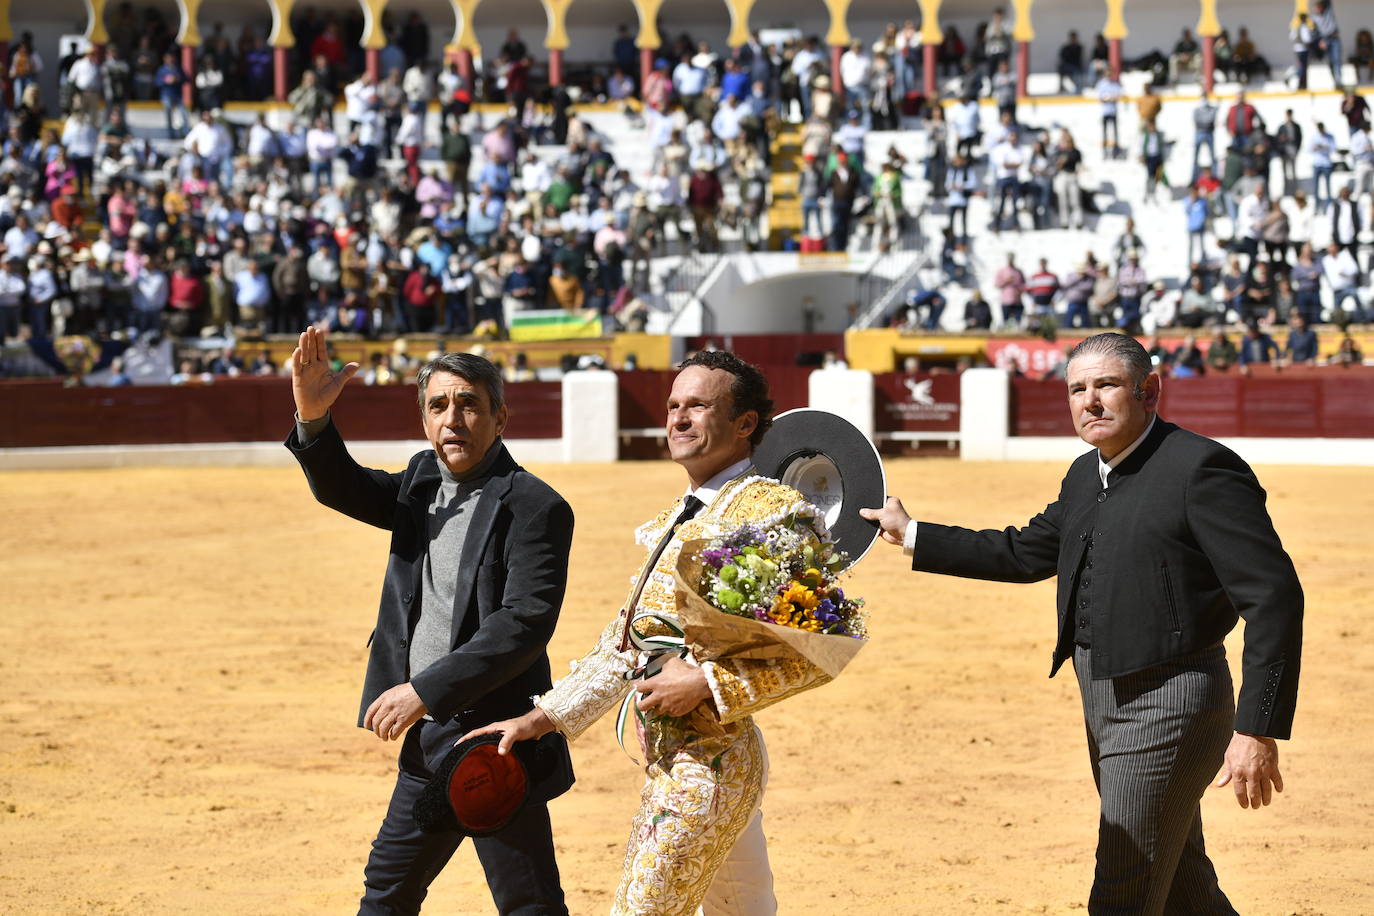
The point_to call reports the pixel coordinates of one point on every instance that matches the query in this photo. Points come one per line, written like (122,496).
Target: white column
(591,416)
(984,414)
(846,392)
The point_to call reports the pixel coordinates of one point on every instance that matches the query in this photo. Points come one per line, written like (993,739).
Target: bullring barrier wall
(1297,416)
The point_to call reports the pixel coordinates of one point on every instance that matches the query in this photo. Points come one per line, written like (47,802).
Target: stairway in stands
(784,211)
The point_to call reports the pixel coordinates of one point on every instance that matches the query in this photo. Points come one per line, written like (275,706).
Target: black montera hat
(477,791)
(834,465)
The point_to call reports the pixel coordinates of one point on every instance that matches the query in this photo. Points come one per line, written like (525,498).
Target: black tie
(690,506)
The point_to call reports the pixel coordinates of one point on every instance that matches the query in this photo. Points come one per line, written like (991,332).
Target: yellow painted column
(280,39)
(1023,35)
(188,37)
(1299,6)
(1114,31)
(374,37)
(1208,27)
(838,39)
(95,22)
(648,40)
(556,41)
(739,21)
(281,35)
(931,38)
(189,33)
(464,44)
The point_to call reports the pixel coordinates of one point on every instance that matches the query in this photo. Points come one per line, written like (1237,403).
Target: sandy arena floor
(185,650)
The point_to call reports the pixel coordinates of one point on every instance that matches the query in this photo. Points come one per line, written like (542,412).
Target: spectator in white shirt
(1362,160)
(1109,94)
(80,138)
(620,85)
(1006,159)
(85,78)
(855,69)
(1253,208)
(850,137)
(963,119)
(263,145)
(1321,146)
(212,146)
(12,289)
(150,289)
(726,123)
(360,97)
(21,238)
(690,82)
(1342,274)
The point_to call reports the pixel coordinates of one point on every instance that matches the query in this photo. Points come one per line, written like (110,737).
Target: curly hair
(749,390)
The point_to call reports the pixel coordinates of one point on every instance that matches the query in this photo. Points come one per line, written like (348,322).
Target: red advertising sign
(916,402)
(1031,356)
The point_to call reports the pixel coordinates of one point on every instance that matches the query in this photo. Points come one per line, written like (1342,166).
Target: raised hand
(313,384)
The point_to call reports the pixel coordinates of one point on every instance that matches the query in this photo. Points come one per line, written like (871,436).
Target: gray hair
(1122,346)
(469,367)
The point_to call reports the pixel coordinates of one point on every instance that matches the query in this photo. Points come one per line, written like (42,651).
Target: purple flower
(716,557)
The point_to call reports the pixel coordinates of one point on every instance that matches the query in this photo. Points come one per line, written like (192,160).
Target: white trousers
(744,884)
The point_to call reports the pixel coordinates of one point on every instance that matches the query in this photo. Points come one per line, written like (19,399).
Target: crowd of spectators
(363,210)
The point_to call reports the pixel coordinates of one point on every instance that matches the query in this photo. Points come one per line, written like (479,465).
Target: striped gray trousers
(1156,739)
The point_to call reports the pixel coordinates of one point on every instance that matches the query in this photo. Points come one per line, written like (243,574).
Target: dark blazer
(510,588)
(1182,546)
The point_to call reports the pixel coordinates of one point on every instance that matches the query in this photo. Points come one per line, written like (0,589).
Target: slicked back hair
(749,389)
(473,369)
(1133,356)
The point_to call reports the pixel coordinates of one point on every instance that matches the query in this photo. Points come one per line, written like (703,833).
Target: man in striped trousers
(1161,541)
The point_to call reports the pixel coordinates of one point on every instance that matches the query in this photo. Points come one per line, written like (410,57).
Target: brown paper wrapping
(712,634)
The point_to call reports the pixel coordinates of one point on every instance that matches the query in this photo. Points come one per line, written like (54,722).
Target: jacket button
(1102,497)
(1083,536)
(404,643)
(1083,603)
(1088,565)
(407,597)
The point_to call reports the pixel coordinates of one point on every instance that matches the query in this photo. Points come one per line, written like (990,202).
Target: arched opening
(234,34)
(593,29)
(57,24)
(502,24)
(333,27)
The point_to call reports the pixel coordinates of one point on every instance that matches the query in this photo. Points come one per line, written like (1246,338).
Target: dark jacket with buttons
(1178,548)
(509,592)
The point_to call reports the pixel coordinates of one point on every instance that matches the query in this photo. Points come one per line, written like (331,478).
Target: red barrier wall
(34,414)
(1326,402)
(918,402)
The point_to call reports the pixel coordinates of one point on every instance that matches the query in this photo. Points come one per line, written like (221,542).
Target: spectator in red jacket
(704,195)
(1243,120)
(185,296)
(328,46)
(1043,287)
(420,293)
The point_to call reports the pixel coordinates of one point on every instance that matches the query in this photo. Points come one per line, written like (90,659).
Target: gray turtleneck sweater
(448,516)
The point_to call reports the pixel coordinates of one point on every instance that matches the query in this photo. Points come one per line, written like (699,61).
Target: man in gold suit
(697,843)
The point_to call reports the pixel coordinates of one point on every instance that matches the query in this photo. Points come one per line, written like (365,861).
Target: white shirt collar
(707,491)
(1105,467)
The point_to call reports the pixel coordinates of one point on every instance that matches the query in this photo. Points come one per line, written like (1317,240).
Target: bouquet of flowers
(769,591)
(780,576)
